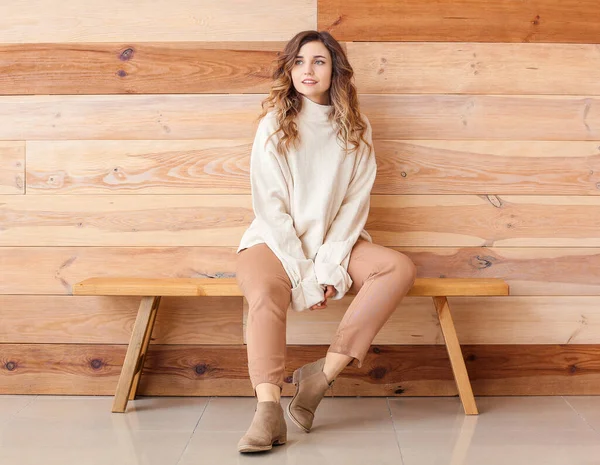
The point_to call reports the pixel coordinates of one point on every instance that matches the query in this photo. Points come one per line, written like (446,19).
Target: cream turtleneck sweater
(310,207)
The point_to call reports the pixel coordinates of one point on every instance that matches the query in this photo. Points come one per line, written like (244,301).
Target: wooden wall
(125,135)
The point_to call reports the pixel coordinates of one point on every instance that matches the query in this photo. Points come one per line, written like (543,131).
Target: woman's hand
(329,292)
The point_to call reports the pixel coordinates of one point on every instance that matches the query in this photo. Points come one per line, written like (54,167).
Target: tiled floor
(411,431)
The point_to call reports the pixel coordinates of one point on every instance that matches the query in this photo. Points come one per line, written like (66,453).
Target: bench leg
(456,358)
(142,359)
(132,358)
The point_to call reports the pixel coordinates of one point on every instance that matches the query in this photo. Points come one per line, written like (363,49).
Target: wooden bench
(151,291)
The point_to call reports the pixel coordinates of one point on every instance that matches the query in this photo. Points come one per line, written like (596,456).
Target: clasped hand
(329,292)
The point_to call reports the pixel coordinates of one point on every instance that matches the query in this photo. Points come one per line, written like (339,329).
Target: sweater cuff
(335,275)
(306,294)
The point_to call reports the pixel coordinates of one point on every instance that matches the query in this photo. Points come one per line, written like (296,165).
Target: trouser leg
(267,289)
(381,278)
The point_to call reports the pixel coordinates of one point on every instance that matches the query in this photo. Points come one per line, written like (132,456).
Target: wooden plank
(228,286)
(245,67)
(12,167)
(109,320)
(137,286)
(185,20)
(220,220)
(70,369)
(500,117)
(158,286)
(475,68)
(232,116)
(544,271)
(480,167)
(212,166)
(184,116)
(460,20)
(217,321)
(137,68)
(216,166)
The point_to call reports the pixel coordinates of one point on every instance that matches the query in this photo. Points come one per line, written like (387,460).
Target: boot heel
(296,377)
(281,440)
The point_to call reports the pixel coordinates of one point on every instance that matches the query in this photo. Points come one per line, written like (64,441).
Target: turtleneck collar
(312,111)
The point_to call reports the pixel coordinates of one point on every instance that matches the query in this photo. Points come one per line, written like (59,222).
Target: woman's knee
(402,267)
(270,294)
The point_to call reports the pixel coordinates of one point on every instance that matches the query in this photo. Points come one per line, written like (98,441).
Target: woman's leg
(267,289)
(381,278)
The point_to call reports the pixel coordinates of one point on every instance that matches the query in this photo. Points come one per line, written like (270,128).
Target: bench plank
(228,287)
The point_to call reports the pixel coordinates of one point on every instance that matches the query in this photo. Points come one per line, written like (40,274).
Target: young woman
(312,168)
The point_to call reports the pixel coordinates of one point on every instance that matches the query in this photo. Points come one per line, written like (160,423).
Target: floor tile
(34,445)
(503,413)
(474,445)
(94,412)
(588,407)
(333,414)
(348,448)
(10,405)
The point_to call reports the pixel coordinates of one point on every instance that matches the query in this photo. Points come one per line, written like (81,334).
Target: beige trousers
(381,278)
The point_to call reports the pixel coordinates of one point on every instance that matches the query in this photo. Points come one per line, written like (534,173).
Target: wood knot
(126,54)
(200,369)
(288,379)
(376,350)
(573,368)
(121,73)
(96,364)
(10,366)
(377,373)
(400,390)
(471,358)
(338,20)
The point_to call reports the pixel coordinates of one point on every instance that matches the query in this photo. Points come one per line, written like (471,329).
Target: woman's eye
(318,61)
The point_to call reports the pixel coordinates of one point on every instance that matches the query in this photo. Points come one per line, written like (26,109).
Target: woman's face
(313,63)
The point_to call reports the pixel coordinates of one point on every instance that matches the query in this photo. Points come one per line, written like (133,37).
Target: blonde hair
(286,101)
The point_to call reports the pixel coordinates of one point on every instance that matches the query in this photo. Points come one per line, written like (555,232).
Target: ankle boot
(311,384)
(268,428)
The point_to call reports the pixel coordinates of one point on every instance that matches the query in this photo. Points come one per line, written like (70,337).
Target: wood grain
(543,271)
(229,287)
(220,220)
(72,369)
(217,321)
(232,116)
(184,20)
(137,68)
(460,20)
(216,166)
(475,68)
(12,167)
(109,320)
(245,67)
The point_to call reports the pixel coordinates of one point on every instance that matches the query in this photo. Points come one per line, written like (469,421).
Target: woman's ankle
(267,392)
(334,365)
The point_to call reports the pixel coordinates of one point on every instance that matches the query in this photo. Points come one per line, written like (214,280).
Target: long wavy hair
(286,101)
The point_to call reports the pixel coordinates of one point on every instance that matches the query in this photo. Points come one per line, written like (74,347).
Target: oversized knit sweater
(310,206)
